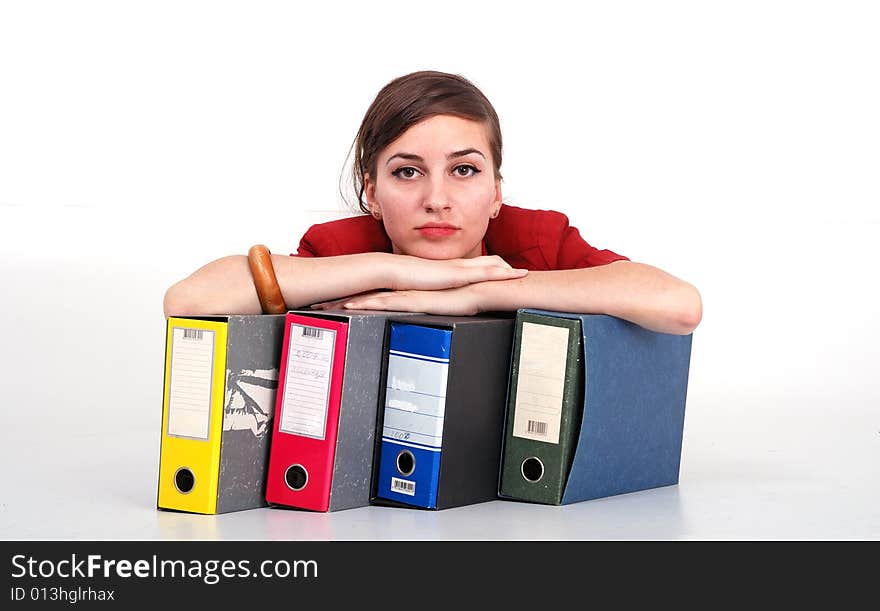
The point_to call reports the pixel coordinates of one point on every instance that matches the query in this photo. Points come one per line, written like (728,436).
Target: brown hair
(409,99)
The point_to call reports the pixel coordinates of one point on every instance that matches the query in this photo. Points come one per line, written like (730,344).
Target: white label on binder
(537,412)
(307,381)
(403,486)
(192,375)
(415,399)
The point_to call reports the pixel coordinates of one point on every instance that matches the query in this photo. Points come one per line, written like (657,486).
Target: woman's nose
(437,197)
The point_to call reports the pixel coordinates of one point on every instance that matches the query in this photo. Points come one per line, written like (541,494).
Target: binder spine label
(307,381)
(192,374)
(540,383)
(415,401)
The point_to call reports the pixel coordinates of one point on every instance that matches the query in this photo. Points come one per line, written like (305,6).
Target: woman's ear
(370,194)
(496,202)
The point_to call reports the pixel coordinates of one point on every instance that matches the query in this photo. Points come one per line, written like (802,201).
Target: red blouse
(537,240)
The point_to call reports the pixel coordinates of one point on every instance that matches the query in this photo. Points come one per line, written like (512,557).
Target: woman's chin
(438,252)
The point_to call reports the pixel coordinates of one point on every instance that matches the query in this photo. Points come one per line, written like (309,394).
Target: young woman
(436,236)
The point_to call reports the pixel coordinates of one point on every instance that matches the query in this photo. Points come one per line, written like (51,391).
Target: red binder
(303,447)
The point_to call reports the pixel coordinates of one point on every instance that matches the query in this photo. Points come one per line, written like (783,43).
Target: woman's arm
(636,292)
(225,286)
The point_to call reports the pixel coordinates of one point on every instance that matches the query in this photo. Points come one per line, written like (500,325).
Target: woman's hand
(415,273)
(459,301)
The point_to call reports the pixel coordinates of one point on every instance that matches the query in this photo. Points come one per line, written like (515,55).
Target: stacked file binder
(443,411)
(221,376)
(322,443)
(596,408)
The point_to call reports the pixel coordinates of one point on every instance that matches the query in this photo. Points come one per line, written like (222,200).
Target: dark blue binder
(414,412)
(440,419)
(632,424)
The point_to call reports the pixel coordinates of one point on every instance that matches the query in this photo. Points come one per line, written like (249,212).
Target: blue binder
(632,423)
(441,417)
(415,401)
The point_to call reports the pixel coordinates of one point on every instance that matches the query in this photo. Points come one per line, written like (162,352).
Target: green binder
(545,402)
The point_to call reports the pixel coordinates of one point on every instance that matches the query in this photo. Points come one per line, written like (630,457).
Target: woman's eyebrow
(409,156)
(414,157)
(464,152)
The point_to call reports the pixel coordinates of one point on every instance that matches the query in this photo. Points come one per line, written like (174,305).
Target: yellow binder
(192,414)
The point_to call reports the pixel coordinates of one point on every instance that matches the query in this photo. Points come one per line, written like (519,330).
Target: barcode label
(312,332)
(536,427)
(190,383)
(306,394)
(403,486)
(193,334)
(540,383)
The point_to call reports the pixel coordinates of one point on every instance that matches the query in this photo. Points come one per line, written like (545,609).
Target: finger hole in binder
(406,463)
(296,477)
(532,469)
(184,480)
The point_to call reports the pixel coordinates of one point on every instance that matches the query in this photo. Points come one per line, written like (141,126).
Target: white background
(734,145)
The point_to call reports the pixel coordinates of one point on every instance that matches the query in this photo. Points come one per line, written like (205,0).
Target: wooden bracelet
(260,261)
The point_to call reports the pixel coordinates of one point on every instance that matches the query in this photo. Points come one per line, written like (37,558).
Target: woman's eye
(465,170)
(405,172)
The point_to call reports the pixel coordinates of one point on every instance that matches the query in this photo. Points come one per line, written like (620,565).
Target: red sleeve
(306,246)
(347,236)
(542,240)
(576,253)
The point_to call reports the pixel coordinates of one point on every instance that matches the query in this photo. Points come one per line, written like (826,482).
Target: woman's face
(435,189)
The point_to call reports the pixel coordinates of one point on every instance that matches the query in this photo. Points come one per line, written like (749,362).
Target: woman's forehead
(441,134)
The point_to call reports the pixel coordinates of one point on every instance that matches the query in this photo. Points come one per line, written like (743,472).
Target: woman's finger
(496,273)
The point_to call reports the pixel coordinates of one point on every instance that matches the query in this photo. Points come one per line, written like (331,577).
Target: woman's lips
(432,230)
